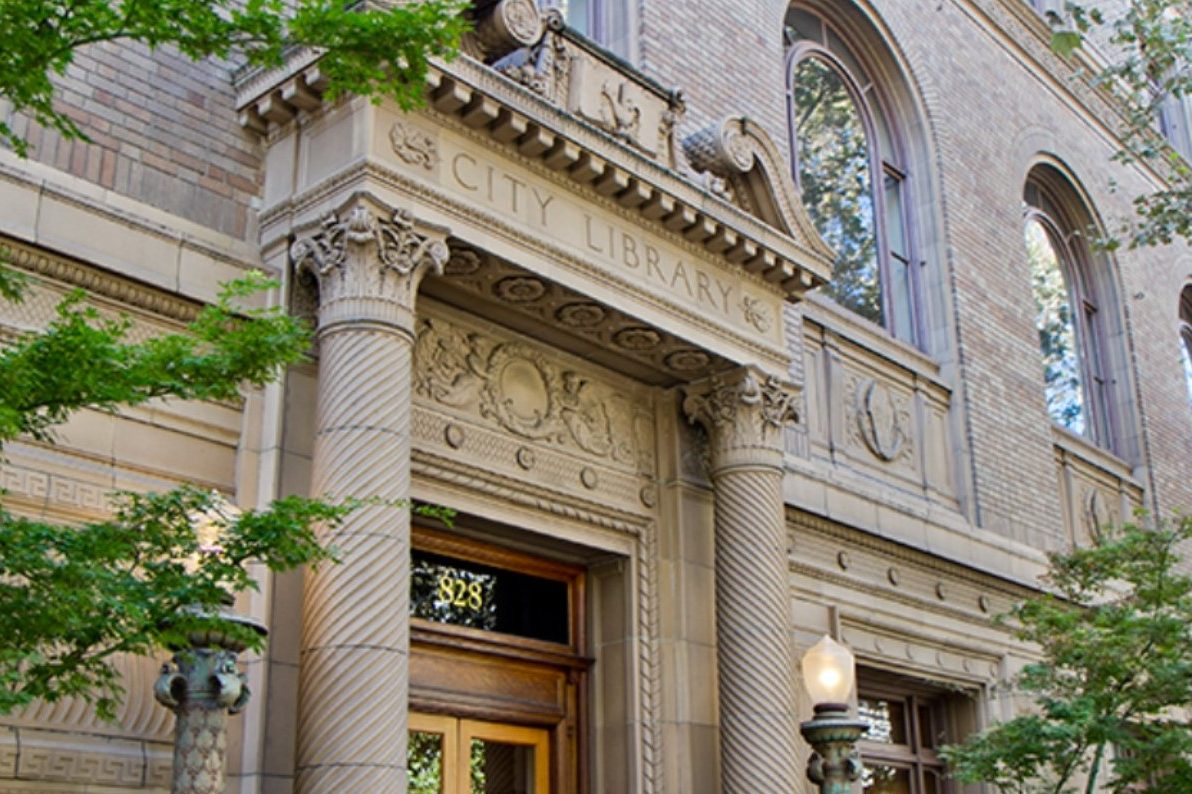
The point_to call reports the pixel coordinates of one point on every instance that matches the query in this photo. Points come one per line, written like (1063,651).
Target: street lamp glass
(828,672)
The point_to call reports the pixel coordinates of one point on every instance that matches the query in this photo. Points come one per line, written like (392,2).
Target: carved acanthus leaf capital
(745,413)
(368,265)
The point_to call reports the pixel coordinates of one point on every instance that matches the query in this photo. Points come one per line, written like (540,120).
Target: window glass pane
(885,779)
(497,768)
(927,730)
(1186,358)
(464,593)
(837,183)
(895,233)
(424,762)
(1057,330)
(886,718)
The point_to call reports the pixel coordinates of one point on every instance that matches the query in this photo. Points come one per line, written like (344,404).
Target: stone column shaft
(354,677)
(744,416)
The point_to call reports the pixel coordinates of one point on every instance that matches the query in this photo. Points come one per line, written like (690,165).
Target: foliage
(1114,680)
(1150,67)
(71,597)
(368,51)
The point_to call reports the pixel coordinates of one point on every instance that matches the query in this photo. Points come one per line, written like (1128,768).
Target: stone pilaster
(354,677)
(744,414)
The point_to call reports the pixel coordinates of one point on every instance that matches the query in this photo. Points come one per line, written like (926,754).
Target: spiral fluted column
(354,677)
(744,414)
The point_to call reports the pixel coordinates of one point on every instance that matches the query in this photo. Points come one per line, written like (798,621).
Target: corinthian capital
(744,413)
(368,264)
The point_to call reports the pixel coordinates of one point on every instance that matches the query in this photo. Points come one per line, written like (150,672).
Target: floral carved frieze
(524,391)
(882,419)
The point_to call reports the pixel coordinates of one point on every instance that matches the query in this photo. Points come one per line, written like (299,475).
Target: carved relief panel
(504,404)
(877,415)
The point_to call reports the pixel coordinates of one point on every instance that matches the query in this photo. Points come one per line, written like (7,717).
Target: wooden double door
(449,755)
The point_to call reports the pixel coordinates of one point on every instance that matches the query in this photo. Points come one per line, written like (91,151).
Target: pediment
(753,176)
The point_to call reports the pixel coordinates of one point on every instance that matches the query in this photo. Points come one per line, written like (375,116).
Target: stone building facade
(584,298)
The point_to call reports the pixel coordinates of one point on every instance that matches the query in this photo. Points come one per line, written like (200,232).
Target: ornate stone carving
(464,261)
(756,314)
(519,289)
(637,338)
(517,387)
(619,111)
(414,146)
(1095,514)
(581,315)
(508,25)
(368,267)
(744,413)
(881,421)
(545,67)
(688,360)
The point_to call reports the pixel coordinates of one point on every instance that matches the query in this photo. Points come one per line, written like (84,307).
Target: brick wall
(163,130)
(991,110)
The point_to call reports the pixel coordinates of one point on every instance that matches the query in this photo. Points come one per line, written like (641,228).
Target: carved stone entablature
(566,106)
(745,413)
(524,391)
(625,342)
(368,264)
(747,169)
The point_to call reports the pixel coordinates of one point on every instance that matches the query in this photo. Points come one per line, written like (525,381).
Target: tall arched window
(1068,312)
(849,164)
(1186,337)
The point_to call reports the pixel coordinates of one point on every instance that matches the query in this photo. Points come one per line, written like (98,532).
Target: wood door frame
(503,659)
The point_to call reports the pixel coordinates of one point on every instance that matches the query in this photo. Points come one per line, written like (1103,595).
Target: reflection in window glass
(424,763)
(885,779)
(1057,330)
(886,718)
(837,183)
(1186,358)
(497,768)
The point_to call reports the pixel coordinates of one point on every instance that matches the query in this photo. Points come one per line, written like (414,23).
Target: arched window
(1186,337)
(849,164)
(1068,312)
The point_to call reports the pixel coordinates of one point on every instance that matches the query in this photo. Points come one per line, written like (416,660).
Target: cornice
(1020,30)
(638,170)
(74,273)
(921,560)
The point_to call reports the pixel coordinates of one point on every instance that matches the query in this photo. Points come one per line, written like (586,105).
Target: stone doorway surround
(543,184)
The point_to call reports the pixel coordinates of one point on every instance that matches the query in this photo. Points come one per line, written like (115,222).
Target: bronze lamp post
(828,674)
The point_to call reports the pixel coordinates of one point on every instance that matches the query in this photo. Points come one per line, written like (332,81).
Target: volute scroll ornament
(506,26)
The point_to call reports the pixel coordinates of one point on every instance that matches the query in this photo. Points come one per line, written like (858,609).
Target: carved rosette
(745,414)
(368,265)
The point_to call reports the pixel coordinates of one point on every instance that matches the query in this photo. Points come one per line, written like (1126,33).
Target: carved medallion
(414,146)
(880,420)
(1096,513)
